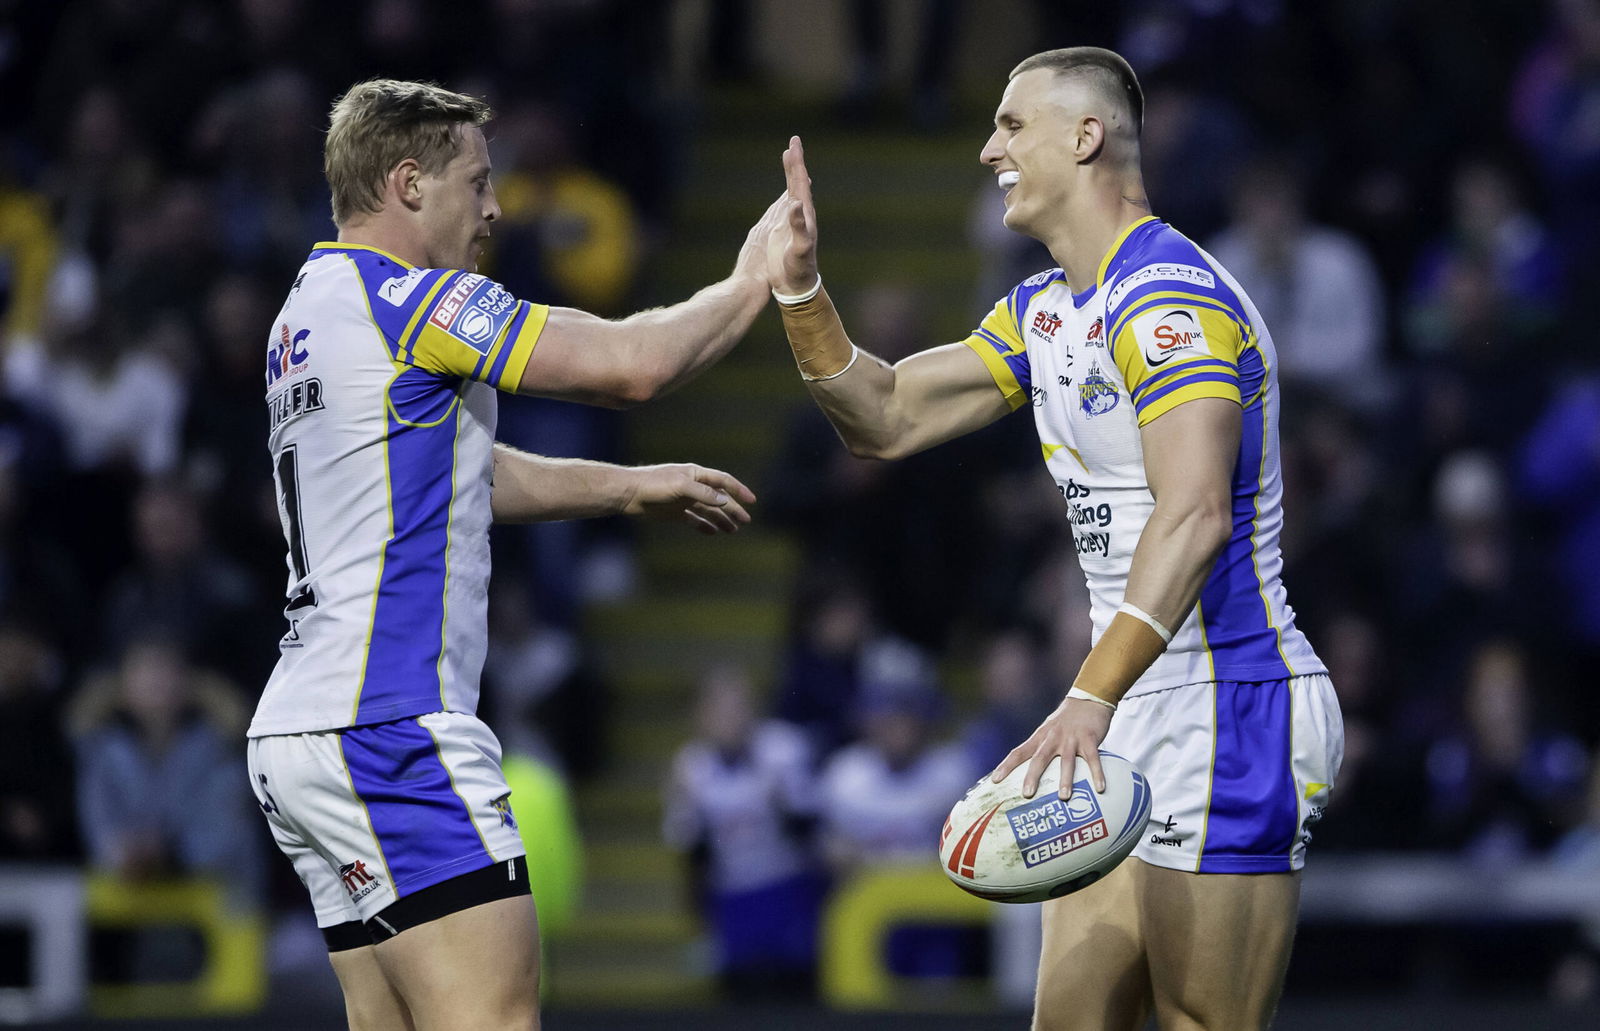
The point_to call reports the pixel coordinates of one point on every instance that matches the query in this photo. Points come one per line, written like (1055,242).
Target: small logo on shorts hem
(358,880)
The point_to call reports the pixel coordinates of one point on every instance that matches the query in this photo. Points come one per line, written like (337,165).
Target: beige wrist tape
(1120,657)
(821,348)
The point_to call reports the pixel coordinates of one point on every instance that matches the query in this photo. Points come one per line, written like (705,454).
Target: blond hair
(379,123)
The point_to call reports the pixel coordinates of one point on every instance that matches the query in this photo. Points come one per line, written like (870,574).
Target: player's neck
(1091,225)
(384,234)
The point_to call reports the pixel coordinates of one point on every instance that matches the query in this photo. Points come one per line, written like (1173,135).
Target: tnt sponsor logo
(1185,275)
(1176,331)
(1096,394)
(474,310)
(1051,827)
(1045,324)
(358,880)
(288,356)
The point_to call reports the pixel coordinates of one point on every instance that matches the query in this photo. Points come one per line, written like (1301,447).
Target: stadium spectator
(1502,784)
(1015,692)
(1316,286)
(35,764)
(740,807)
(161,783)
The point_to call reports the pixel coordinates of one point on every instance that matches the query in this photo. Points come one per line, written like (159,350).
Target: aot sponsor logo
(1096,336)
(1096,394)
(1045,324)
(288,356)
(1186,274)
(1176,331)
(1049,827)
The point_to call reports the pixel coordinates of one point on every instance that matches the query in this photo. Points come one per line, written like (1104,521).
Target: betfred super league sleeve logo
(1050,826)
(474,310)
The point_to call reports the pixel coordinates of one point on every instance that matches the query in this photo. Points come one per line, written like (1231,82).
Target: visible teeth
(1009,179)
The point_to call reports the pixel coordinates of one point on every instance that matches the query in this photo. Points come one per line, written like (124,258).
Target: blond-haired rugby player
(379,782)
(1152,382)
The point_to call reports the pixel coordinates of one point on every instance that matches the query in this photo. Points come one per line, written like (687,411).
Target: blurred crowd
(1408,191)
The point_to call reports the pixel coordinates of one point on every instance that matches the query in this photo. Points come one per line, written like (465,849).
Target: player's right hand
(792,246)
(1075,729)
(710,500)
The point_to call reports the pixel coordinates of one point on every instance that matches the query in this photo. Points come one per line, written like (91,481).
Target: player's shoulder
(1157,259)
(1035,284)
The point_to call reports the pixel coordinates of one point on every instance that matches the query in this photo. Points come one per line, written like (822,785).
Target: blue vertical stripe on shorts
(1254,812)
(424,828)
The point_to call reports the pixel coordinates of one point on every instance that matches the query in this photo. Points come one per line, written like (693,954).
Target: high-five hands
(792,245)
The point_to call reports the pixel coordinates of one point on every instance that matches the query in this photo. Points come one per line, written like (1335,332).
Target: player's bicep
(1190,452)
(945,392)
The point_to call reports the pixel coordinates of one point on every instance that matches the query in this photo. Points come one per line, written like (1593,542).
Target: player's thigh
(1218,945)
(1092,973)
(370,1001)
(472,969)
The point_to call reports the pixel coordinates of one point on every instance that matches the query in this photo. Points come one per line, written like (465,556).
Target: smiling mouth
(1008,180)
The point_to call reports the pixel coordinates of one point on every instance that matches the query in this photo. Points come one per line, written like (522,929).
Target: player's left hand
(710,500)
(1076,728)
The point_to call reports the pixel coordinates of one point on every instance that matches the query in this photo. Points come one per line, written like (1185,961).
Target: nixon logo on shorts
(1051,826)
(358,880)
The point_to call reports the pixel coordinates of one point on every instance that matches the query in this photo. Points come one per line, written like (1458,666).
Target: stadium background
(1409,190)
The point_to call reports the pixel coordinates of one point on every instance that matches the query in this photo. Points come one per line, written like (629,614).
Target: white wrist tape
(798,298)
(1144,617)
(1082,695)
(855,352)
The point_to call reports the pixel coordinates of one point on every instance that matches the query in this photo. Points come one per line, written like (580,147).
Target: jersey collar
(327,245)
(1116,248)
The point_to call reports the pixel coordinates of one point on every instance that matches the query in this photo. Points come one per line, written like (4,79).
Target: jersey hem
(1230,674)
(387,714)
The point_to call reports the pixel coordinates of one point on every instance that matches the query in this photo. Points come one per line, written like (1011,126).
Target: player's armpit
(889,412)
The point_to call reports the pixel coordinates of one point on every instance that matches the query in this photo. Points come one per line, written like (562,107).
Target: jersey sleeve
(471,326)
(998,341)
(1176,339)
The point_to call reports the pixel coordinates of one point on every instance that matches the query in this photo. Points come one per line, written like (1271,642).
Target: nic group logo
(1050,826)
(288,355)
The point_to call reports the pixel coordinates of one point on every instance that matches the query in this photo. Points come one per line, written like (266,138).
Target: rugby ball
(1001,846)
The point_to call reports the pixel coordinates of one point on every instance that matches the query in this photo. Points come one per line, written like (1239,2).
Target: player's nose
(993,150)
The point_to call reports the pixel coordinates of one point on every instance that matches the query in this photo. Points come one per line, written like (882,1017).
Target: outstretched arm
(582,357)
(533,488)
(879,410)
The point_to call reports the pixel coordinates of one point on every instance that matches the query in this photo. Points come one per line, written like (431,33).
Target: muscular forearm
(673,345)
(1175,554)
(532,488)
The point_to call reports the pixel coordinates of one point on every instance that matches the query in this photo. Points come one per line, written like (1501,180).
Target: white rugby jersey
(381,383)
(1162,324)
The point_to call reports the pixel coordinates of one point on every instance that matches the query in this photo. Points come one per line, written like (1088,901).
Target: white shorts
(369,815)
(1238,771)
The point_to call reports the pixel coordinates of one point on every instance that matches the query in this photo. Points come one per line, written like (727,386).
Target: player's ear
(405,180)
(1089,140)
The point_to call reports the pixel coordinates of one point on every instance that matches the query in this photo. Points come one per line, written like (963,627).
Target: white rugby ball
(1001,846)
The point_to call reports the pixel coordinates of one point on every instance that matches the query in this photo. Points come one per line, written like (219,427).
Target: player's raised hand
(1076,728)
(708,499)
(752,261)
(792,247)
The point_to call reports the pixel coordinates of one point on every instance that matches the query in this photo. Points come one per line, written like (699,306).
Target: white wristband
(798,298)
(855,352)
(1082,695)
(1140,614)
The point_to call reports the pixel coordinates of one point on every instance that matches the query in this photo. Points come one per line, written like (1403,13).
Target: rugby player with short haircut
(1153,384)
(379,782)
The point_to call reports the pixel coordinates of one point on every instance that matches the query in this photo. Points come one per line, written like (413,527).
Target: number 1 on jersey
(287,475)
